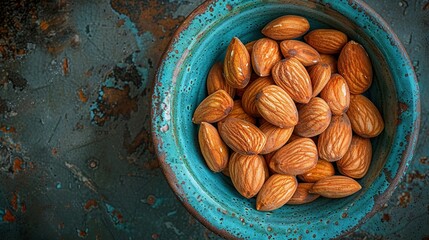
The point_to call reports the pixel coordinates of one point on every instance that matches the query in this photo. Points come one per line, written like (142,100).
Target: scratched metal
(76,157)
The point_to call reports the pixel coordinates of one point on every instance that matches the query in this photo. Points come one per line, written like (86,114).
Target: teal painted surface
(180,86)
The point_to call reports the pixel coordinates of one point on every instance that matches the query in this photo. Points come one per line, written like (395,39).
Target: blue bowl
(181,85)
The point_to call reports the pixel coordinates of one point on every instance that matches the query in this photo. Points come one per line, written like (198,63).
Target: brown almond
(323,169)
(336,187)
(238,112)
(327,41)
(303,52)
(286,27)
(213,108)
(237,66)
(356,161)
(334,142)
(295,158)
(248,100)
(247,173)
(276,106)
(302,196)
(331,60)
(276,137)
(249,47)
(364,116)
(265,54)
(319,75)
(276,192)
(242,136)
(214,150)
(336,93)
(355,66)
(225,171)
(292,76)
(216,81)
(314,118)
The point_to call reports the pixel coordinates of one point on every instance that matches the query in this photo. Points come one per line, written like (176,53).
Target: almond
(336,94)
(276,137)
(323,169)
(225,171)
(242,136)
(286,27)
(355,66)
(301,51)
(364,116)
(213,108)
(238,112)
(276,106)
(293,137)
(247,173)
(249,47)
(276,192)
(248,100)
(214,150)
(335,140)
(328,41)
(331,60)
(237,67)
(357,159)
(295,158)
(265,54)
(292,76)
(314,118)
(319,75)
(301,195)
(336,187)
(216,81)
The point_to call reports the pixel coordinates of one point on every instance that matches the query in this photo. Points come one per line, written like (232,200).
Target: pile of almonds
(298,109)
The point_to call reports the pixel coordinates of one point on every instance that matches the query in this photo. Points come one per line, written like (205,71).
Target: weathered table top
(76,156)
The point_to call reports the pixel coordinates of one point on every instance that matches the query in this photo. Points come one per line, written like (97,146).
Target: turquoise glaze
(181,85)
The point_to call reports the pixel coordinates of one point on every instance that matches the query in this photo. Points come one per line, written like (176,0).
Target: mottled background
(76,156)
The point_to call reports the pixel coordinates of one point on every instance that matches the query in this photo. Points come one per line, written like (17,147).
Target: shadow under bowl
(181,85)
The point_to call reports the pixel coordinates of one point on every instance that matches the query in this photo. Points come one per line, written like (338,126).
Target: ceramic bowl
(181,85)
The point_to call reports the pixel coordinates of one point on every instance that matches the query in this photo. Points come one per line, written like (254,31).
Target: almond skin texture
(355,66)
(301,195)
(216,81)
(303,52)
(277,107)
(355,163)
(319,75)
(276,137)
(225,171)
(238,112)
(247,173)
(276,192)
(214,150)
(213,108)
(242,136)
(295,158)
(248,100)
(237,67)
(265,54)
(334,142)
(323,169)
(336,93)
(331,60)
(292,76)
(327,41)
(314,118)
(336,187)
(249,47)
(286,27)
(364,116)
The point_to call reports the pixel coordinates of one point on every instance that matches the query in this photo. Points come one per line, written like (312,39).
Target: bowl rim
(378,202)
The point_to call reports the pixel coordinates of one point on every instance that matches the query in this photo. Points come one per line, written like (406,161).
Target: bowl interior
(212,196)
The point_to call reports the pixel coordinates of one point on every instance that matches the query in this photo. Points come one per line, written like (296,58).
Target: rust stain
(402,107)
(404,199)
(425,8)
(142,137)
(44,25)
(155,236)
(8,216)
(415,175)
(120,23)
(17,165)
(118,216)
(424,160)
(82,234)
(65,66)
(54,151)
(151,165)
(90,204)
(23,208)
(229,7)
(82,97)
(14,201)
(385,218)
(6,129)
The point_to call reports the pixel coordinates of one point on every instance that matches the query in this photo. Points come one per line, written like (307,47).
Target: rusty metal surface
(76,156)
